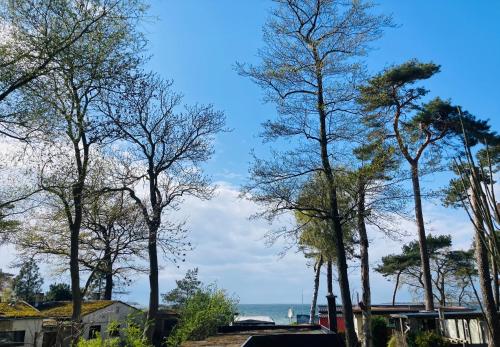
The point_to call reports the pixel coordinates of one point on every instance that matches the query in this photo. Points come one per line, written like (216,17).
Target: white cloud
(230,250)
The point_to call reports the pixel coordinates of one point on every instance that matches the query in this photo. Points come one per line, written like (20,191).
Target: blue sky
(197,42)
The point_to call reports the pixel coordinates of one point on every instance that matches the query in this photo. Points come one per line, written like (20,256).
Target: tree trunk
(74,268)
(483,268)
(108,287)
(75,285)
(424,254)
(365,266)
(334,217)
(442,293)
(315,290)
(149,330)
(494,274)
(396,289)
(75,275)
(329,277)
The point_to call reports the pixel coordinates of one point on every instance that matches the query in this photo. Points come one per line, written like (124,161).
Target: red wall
(323,321)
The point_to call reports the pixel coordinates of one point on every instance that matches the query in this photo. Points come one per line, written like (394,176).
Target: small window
(12,338)
(94,330)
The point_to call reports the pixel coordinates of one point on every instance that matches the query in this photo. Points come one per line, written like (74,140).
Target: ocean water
(278,312)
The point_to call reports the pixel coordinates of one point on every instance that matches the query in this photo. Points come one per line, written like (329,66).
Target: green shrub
(379,332)
(98,341)
(393,341)
(131,336)
(202,313)
(430,339)
(396,340)
(410,339)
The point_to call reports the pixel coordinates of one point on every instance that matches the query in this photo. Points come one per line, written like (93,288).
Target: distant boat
(254,320)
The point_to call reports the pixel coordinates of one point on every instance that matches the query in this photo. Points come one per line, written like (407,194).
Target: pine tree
(28,282)
(421,131)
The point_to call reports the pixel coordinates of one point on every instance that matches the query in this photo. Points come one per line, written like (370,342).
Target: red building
(323,318)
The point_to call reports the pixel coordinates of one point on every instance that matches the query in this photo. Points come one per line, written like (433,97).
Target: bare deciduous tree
(160,162)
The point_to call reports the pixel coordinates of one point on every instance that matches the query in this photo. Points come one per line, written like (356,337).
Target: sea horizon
(278,312)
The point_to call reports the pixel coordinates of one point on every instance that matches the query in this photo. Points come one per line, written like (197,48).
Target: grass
(66,309)
(19,310)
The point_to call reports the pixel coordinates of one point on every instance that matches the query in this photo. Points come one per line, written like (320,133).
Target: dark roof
(396,309)
(235,338)
(447,314)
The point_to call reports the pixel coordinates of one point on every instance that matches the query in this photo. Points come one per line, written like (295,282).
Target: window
(94,330)
(12,338)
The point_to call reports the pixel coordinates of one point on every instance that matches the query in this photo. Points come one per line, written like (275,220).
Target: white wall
(32,327)
(477,333)
(115,312)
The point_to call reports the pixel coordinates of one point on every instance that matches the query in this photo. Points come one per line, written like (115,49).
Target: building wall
(470,330)
(32,327)
(117,311)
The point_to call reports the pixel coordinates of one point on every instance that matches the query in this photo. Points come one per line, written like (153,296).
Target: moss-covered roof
(18,310)
(65,308)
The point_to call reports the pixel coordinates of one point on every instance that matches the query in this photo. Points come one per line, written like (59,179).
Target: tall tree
(308,66)
(452,271)
(317,272)
(376,201)
(164,151)
(474,191)
(315,238)
(111,241)
(63,105)
(417,128)
(114,238)
(34,35)
(394,265)
(28,283)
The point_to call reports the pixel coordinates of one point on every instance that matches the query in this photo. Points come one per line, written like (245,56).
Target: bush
(132,336)
(202,313)
(99,342)
(430,339)
(396,340)
(379,332)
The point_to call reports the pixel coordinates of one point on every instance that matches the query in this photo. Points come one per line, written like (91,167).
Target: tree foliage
(452,270)
(315,236)
(58,292)
(421,131)
(28,283)
(186,288)
(205,311)
(309,67)
(164,149)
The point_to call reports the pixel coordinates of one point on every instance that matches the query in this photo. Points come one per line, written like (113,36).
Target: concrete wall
(32,327)
(115,312)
